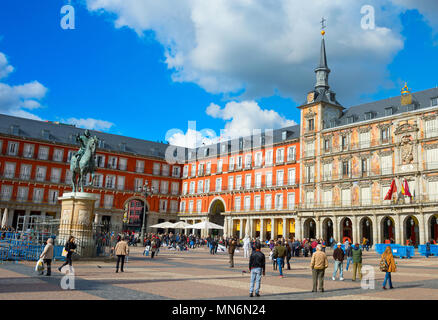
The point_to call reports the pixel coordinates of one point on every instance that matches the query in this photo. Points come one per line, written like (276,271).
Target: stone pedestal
(77,216)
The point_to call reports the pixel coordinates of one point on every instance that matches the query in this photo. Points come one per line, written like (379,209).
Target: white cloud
(90,123)
(5,67)
(262,47)
(428,8)
(192,138)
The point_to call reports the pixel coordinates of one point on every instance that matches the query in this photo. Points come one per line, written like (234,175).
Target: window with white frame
(155,186)
(346,197)
(239,162)
(12,148)
(120,182)
(200,186)
(191,206)
(68,176)
(291,153)
(53,196)
(365,196)
(139,166)
(258,159)
(432,159)
(112,162)
(138,184)
(186,171)
(231,164)
(219,166)
(327,198)
(310,198)
(230,183)
(199,206)
(280,178)
(175,187)
(98,180)
(9,171)
(248,181)
(55,176)
(248,159)
(237,204)
(100,160)
(28,150)
(200,169)
(43,153)
(268,202)
(164,187)
(184,190)
(193,170)
(291,176)
(6,192)
(310,149)
(327,171)
(269,179)
(218,184)
(123,163)
(365,139)
(165,170)
(269,157)
(291,201)
(310,174)
(110,182)
(163,205)
(279,155)
(108,201)
(182,206)
(257,203)
(40,174)
(208,168)
(279,201)
(207,186)
(386,164)
(238,182)
(38,195)
(192,187)
(22,193)
(258,180)
(247,203)
(25,171)
(176,171)
(432,190)
(156,168)
(58,155)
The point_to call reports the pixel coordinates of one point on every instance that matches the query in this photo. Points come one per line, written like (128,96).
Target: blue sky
(141,77)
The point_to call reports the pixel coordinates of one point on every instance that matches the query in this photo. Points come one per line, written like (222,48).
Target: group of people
(47,254)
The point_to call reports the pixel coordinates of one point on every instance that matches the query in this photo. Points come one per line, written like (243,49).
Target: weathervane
(323,25)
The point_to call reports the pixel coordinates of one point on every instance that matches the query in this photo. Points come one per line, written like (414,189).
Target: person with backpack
(387,264)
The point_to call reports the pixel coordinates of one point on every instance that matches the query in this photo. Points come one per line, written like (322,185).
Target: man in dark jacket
(257,268)
(338,255)
(231,247)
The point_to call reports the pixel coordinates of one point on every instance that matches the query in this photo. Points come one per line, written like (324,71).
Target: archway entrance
(347,231)
(412,231)
(216,208)
(433,225)
(310,229)
(388,227)
(366,230)
(327,230)
(136,207)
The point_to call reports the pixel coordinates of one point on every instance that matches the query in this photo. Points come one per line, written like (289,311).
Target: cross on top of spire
(323,21)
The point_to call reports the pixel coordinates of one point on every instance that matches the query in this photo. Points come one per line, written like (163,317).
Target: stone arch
(411,228)
(432,225)
(388,229)
(216,207)
(366,229)
(134,213)
(310,228)
(214,200)
(346,227)
(327,230)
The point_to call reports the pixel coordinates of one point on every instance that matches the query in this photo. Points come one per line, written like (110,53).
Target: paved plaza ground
(198,275)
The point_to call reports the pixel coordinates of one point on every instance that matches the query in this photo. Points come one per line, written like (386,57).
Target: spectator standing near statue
(257,265)
(357,261)
(231,248)
(318,264)
(338,255)
(121,250)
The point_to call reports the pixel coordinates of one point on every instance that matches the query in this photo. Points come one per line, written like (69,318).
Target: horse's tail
(73,163)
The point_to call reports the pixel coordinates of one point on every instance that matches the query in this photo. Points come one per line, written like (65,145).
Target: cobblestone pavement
(198,275)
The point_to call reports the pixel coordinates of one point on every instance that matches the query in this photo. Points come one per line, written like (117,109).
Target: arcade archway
(310,229)
(388,228)
(366,229)
(327,230)
(412,231)
(347,230)
(215,216)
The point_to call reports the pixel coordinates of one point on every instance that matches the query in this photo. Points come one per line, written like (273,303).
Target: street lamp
(147,192)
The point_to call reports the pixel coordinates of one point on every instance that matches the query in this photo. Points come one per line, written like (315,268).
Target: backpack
(383,265)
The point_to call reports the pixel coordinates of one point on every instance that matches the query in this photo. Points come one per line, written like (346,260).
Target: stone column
(421,228)
(262,230)
(251,228)
(335,221)
(354,222)
(285,235)
(398,235)
(241,229)
(96,218)
(225,227)
(273,235)
(298,229)
(318,227)
(427,234)
(375,228)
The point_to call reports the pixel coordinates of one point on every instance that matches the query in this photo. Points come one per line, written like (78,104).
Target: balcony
(386,171)
(24,176)
(431,165)
(139,169)
(309,153)
(9,174)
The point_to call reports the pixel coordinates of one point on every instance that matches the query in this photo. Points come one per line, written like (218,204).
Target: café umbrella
(181,225)
(205,225)
(163,225)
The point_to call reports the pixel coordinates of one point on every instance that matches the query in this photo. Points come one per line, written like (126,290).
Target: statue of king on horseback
(82,162)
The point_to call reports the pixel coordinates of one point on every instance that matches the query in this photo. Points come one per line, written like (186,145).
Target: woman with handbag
(387,264)
(70,247)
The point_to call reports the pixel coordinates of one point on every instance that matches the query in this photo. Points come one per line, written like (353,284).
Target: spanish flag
(391,190)
(405,188)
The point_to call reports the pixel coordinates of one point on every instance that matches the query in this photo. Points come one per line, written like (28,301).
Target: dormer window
(101,144)
(389,111)
(45,134)
(350,119)
(411,107)
(369,115)
(123,146)
(332,123)
(283,135)
(434,102)
(15,129)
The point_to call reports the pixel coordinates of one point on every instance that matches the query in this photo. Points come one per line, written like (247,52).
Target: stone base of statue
(77,216)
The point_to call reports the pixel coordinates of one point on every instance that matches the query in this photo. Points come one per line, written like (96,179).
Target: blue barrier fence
(397,250)
(433,249)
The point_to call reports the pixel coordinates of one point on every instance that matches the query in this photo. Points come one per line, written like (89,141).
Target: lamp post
(147,192)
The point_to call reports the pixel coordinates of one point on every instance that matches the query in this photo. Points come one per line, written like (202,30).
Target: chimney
(406,96)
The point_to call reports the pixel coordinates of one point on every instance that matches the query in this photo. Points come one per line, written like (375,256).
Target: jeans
(256,276)
(120,258)
(349,260)
(387,277)
(280,263)
(339,265)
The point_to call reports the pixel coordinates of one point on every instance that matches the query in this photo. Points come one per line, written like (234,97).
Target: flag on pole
(405,188)
(392,189)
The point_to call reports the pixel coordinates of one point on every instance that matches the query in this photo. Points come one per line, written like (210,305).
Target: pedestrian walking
(231,248)
(47,256)
(318,264)
(153,247)
(357,261)
(257,268)
(349,254)
(121,250)
(279,254)
(338,255)
(427,249)
(288,255)
(246,246)
(387,264)
(70,247)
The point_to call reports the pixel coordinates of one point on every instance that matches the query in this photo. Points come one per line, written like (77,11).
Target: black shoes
(322,290)
(257,294)
(251,295)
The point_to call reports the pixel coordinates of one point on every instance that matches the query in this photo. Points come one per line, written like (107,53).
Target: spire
(322,72)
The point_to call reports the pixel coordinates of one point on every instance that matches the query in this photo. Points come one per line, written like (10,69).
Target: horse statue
(82,162)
